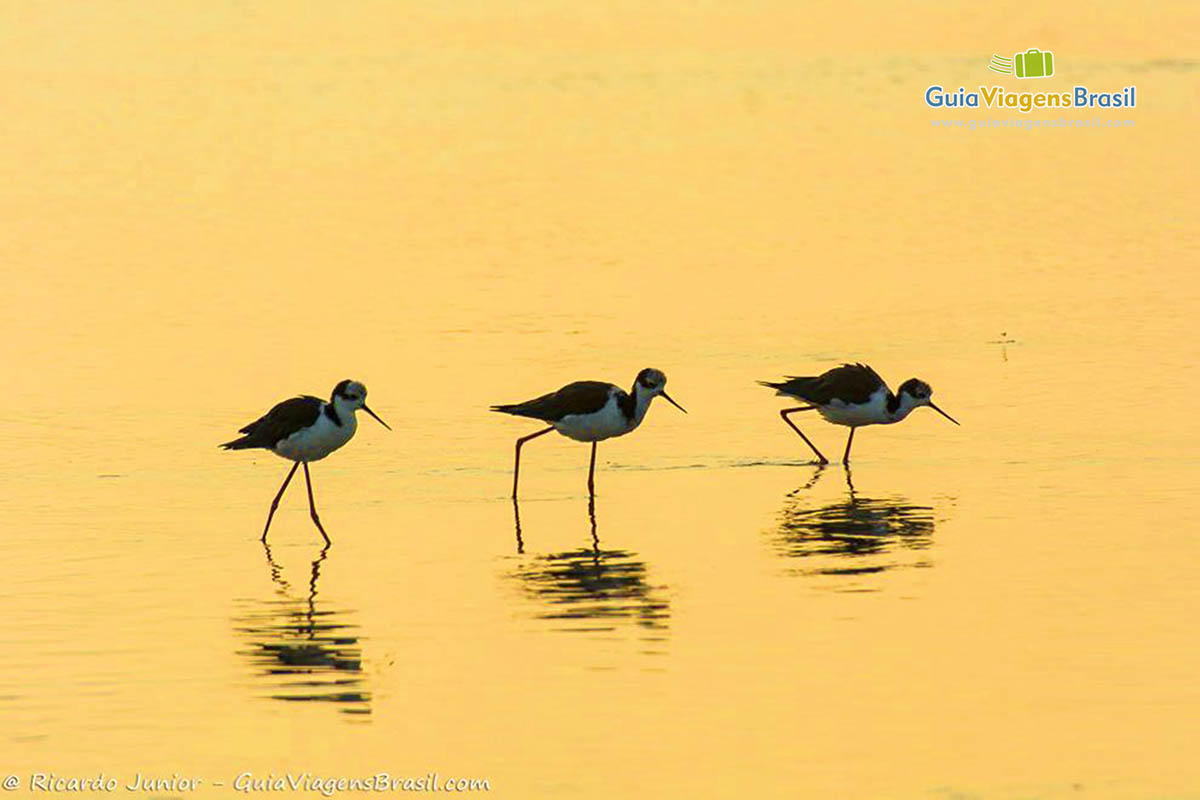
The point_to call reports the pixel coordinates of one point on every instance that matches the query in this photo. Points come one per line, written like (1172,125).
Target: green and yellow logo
(1033,63)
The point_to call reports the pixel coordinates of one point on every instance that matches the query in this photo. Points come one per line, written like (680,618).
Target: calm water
(209,208)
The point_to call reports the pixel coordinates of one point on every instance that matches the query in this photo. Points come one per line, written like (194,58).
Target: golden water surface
(206,207)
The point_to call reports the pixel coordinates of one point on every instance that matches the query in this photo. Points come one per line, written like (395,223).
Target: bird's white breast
(606,423)
(318,440)
(872,412)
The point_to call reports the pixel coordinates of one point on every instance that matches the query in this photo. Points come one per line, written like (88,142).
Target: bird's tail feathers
(517,409)
(794,386)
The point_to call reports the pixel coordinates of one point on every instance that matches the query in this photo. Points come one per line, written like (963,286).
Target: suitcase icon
(1033,63)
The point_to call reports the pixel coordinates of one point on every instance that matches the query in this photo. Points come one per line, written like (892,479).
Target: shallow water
(210,209)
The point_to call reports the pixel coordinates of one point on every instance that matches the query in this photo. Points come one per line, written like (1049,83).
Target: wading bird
(590,411)
(853,395)
(304,429)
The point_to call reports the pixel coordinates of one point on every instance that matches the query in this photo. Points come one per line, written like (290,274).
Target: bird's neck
(639,404)
(341,415)
(900,406)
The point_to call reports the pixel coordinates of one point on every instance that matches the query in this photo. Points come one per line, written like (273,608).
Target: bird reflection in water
(854,536)
(305,652)
(590,589)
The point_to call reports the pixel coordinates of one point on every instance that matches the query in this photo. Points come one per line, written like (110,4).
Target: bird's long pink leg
(592,473)
(312,507)
(517,465)
(846,455)
(784,413)
(275,502)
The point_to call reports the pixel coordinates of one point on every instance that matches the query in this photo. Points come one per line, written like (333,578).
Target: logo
(1033,63)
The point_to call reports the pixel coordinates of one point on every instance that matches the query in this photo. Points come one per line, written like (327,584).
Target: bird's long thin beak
(377,419)
(672,402)
(944,414)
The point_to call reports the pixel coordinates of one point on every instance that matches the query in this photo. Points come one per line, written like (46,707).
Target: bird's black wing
(853,383)
(581,397)
(279,423)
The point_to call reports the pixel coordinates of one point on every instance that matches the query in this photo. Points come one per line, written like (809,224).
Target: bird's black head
(918,389)
(651,379)
(350,391)
(654,382)
(919,394)
(351,396)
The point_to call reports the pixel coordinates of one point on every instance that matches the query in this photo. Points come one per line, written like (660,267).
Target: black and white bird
(853,395)
(304,429)
(590,411)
